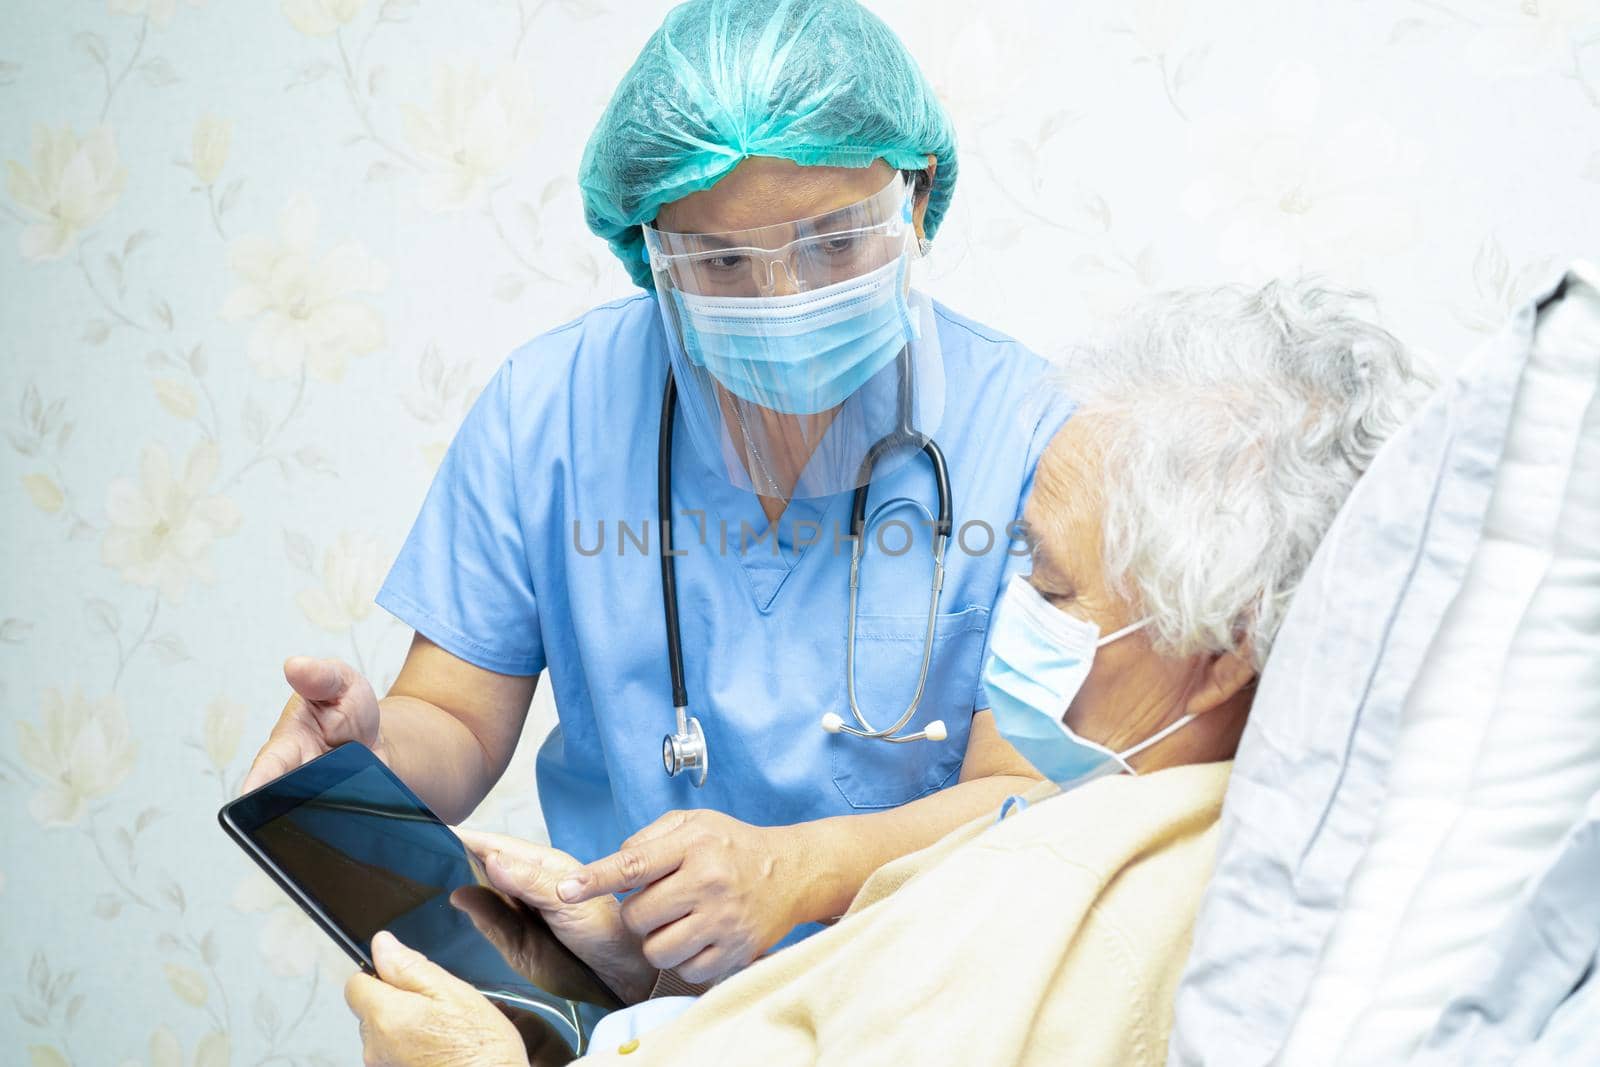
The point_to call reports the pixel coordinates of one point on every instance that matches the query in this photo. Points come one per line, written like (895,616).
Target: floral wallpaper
(256,258)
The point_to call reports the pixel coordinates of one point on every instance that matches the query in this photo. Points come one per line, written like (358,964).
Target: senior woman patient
(1218,433)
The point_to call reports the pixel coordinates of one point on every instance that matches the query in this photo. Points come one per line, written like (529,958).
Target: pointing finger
(628,868)
(669,822)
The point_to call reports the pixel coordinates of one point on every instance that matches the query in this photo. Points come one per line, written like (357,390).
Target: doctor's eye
(726,264)
(838,247)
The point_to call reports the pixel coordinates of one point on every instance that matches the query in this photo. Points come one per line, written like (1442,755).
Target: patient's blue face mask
(1039,658)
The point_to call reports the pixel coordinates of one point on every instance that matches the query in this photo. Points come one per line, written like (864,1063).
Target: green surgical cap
(819,82)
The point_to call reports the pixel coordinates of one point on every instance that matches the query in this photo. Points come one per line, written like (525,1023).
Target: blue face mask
(804,353)
(1039,658)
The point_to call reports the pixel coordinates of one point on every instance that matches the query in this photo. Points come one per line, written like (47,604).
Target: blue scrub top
(502,570)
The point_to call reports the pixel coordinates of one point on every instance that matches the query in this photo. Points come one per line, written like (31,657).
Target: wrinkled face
(1130,687)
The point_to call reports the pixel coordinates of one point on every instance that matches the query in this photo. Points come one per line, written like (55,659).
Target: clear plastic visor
(788,257)
(805,364)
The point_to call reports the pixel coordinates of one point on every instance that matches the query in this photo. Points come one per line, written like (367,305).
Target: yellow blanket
(1054,937)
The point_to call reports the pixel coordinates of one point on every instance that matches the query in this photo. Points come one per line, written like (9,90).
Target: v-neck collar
(737,527)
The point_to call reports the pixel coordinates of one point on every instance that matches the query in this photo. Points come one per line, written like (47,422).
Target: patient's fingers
(405,968)
(628,868)
(676,942)
(529,882)
(526,870)
(367,995)
(482,842)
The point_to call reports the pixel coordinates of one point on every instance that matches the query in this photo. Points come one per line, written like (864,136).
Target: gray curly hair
(1231,424)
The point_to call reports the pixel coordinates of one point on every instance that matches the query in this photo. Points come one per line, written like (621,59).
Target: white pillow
(1499,746)
(1532,994)
(1426,727)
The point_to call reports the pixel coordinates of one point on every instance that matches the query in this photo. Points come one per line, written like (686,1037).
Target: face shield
(798,347)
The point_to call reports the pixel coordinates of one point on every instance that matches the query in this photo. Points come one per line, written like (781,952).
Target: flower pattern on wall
(352,569)
(1287,193)
(82,750)
(220,736)
(476,126)
(320,18)
(291,945)
(212,1050)
(162,526)
(305,317)
(212,136)
(71,185)
(159,12)
(1530,39)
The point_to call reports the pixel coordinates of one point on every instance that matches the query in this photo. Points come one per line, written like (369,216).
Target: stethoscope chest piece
(685,750)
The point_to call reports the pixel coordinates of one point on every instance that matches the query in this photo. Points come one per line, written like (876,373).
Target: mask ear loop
(1162,734)
(1188,691)
(1117,635)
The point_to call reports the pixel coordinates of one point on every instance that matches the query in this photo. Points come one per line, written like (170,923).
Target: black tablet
(361,853)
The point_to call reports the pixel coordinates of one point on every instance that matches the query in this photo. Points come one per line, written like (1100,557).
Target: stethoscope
(685,749)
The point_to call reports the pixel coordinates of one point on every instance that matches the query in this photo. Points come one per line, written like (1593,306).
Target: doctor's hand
(592,929)
(331,704)
(417,1014)
(713,892)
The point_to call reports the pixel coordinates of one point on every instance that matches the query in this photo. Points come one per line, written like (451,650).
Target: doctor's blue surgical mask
(1039,658)
(803,353)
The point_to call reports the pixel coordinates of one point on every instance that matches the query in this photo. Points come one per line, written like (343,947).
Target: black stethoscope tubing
(903,435)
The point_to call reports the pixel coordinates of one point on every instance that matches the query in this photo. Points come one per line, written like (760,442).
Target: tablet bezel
(567,1019)
(240,818)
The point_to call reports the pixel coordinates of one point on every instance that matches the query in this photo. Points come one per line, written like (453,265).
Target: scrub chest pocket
(876,774)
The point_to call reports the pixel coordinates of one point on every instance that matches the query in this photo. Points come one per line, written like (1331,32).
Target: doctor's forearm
(839,854)
(435,754)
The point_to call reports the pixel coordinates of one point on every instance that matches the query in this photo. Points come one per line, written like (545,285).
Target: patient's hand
(524,938)
(593,929)
(417,1014)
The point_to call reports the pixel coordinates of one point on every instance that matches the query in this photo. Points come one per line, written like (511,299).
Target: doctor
(769,172)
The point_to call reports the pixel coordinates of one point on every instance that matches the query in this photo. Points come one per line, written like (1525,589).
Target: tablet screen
(347,837)
(361,850)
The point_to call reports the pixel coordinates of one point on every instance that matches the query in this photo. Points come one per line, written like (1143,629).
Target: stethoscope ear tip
(935,731)
(832,723)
